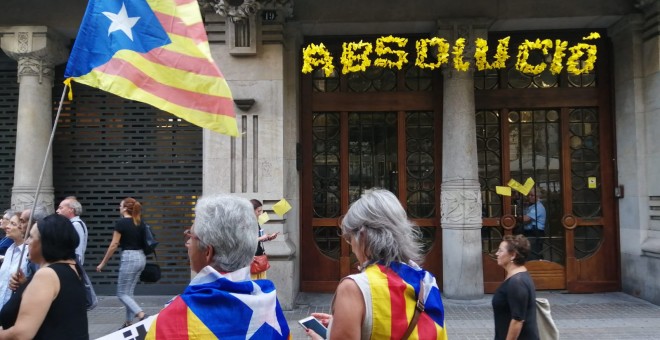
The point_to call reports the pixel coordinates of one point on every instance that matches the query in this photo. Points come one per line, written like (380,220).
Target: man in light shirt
(72,209)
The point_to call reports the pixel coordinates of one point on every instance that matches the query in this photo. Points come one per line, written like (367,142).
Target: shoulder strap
(82,226)
(419,308)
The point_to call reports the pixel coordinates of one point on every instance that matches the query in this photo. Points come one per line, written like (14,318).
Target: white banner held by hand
(136,331)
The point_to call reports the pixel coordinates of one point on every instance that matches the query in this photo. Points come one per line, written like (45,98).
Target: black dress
(67,316)
(515,299)
(260,245)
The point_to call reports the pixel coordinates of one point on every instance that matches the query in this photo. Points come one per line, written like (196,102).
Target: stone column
(37,50)
(460,193)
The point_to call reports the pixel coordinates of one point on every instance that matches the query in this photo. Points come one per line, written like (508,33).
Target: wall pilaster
(37,50)
(258,164)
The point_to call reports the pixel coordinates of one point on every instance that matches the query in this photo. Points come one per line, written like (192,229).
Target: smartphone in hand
(314,324)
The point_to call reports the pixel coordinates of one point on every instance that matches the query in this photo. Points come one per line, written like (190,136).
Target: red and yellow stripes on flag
(178,317)
(180,78)
(393,308)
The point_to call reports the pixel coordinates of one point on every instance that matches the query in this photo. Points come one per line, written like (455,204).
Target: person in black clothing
(52,305)
(129,235)
(514,301)
(258,210)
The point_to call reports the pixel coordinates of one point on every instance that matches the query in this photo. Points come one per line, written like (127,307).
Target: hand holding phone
(312,323)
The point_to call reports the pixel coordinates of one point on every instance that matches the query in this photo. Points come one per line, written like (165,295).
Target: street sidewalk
(578,316)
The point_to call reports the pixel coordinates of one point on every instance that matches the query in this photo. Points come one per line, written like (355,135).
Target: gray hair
(9,212)
(389,236)
(40,212)
(227,223)
(75,205)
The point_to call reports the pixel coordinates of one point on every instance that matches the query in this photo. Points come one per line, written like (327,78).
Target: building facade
(441,139)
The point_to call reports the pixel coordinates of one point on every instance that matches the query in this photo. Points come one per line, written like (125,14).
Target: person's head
(257,206)
(131,207)
(70,207)
(378,229)
(15,228)
(223,234)
(513,249)
(40,212)
(534,195)
(5,219)
(53,239)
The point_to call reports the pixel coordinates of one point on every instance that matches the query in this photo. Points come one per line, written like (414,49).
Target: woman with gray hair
(377,302)
(225,301)
(5,242)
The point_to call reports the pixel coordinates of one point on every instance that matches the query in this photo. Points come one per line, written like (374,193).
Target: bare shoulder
(348,286)
(45,273)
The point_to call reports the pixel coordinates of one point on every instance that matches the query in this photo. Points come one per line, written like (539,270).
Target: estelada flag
(156,52)
(394,292)
(214,306)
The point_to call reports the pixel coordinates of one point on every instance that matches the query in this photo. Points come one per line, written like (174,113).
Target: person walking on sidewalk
(72,209)
(262,237)
(514,301)
(129,235)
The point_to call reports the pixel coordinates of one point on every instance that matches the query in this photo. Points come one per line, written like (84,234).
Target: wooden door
(556,129)
(378,128)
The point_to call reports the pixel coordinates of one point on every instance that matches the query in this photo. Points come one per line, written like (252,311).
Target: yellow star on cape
(262,305)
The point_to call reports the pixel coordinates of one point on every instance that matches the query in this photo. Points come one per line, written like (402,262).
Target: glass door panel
(372,152)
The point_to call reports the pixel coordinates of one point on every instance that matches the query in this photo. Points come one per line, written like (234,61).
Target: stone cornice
(242,9)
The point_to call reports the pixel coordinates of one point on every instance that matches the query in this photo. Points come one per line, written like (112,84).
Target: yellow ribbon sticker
(263,218)
(504,191)
(529,184)
(523,189)
(281,207)
(515,185)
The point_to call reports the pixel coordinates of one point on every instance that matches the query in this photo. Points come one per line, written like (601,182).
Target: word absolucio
(357,56)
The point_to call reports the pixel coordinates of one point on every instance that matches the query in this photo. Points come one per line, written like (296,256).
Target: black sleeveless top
(67,316)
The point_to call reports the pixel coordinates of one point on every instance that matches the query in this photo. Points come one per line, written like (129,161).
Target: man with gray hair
(40,212)
(72,209)
(221,246)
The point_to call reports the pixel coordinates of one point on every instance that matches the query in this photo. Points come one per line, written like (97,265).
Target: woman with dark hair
(258,210)
(514,301)
(129,235)
(53,304)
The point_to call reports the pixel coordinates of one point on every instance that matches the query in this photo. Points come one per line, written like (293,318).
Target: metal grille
(8,115)
(108,148)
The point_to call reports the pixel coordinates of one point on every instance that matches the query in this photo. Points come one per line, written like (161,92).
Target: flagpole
(41,177)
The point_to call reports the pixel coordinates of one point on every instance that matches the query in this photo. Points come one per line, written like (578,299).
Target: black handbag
(150,242)
(151,273)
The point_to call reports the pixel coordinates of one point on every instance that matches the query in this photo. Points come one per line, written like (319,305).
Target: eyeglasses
(188,234)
